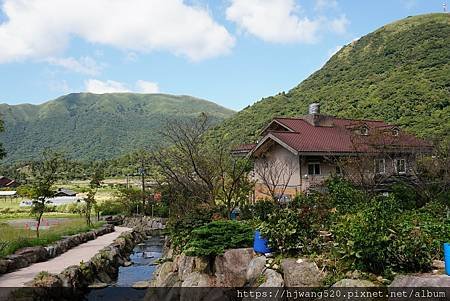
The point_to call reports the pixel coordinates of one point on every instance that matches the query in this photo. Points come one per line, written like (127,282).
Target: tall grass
(12,239)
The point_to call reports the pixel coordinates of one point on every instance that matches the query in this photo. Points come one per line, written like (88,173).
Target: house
(62,192)
(296,155)
(7,183)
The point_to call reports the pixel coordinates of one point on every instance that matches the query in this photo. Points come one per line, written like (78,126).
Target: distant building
(295,155)
(7,183)
(65,192)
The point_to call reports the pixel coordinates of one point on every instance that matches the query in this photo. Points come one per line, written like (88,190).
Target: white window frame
(314,174)
(376,165)
(396,166)
(364,130)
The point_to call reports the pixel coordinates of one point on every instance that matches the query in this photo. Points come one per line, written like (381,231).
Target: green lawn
(12,239)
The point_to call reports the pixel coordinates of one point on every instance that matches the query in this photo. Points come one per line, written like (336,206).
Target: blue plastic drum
(260,244)
(447,258)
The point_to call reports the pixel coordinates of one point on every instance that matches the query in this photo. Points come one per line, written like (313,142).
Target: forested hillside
(400,73)
(96,126)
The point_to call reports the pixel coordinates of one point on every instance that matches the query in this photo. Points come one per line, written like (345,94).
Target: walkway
(74,256)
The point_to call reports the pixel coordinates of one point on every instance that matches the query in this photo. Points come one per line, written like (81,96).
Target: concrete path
(74,256)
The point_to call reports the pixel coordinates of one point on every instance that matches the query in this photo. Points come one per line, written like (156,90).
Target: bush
(382,238)
(111,207)
(344,196)
(297,229)
(259,210)
(214,238)
(180,228)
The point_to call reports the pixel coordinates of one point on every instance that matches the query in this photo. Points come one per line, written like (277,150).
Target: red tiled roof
(243,148)
(332,134)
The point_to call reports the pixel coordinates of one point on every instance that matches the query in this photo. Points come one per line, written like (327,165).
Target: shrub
(382,238)
(297,229)
(259,210)
(344,196)
(111,207)
(180,228)
(214,238)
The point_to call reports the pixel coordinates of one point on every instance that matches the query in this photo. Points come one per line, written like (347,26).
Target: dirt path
(56,265)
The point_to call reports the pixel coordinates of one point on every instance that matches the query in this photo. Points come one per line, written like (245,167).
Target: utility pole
(142,172)
(444,5)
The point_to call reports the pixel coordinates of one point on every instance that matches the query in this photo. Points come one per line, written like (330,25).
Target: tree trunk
(38,224)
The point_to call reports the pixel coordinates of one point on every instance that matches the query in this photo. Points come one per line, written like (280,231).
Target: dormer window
(364,131)
(395,132)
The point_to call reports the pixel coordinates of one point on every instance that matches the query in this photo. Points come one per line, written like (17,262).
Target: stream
(143,266)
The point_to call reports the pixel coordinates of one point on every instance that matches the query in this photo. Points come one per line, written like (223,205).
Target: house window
(380,166)
(364,131)
(395,132)
(313,169)
(338,171)
(400,166)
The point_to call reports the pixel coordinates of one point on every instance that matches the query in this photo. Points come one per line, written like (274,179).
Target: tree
(2,150)
(234,184)
(275,175)
(45,173)
(185,169)
(95,182)
(195,172)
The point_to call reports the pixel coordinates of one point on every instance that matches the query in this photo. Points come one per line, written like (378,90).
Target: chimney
(314,108)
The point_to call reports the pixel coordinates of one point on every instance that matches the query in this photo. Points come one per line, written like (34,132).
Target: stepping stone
(141,285)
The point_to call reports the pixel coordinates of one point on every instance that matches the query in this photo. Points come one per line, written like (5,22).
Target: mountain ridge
(96,126)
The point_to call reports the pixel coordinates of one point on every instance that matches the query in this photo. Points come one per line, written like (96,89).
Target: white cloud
(43,28)
(272,20)
(110,86)
(325,4)
(339,25)
(147,87)
(281,21)
(85,65)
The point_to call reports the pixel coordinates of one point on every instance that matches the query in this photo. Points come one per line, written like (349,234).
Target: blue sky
(232,52)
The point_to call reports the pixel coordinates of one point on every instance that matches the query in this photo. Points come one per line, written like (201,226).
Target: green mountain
(400,73)
(96,126)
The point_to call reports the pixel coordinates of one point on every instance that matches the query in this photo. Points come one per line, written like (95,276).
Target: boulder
(33,254)
(231,267)
(4,265)
(197,279)
(273,279)
(423,280)
(301,273)
(353,283)
(165,275)
(17,262)
(141,285)
(98,285)
(255,268)
(185,266)
(438,264)
(44,279)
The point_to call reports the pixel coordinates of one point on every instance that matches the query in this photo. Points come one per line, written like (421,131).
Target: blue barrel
(447,258)
(260,244)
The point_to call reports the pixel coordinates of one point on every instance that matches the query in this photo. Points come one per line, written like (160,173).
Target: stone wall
(27,256)
(145,224)
(102,268)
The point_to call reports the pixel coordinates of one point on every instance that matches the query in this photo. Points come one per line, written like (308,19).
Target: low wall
(145,224)
(27,256)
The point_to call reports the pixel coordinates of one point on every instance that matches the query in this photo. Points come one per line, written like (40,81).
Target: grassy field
(12,239)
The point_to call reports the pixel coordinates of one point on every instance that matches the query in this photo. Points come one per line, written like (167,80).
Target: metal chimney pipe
(314,108)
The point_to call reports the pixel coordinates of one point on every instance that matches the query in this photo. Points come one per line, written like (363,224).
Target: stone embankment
(27,256)
(102,268)
(145,224)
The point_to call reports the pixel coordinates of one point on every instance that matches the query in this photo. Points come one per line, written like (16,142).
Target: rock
(17,262)
(231,267)
(185,266)
(197,279)
(44,279)
(127,263)
(273,279)
(4,265)
(301,274)
(438,264)
(33,254)
(141,285)
(255,268)
(353,283)
(165,275)
(423,280)
(98,285)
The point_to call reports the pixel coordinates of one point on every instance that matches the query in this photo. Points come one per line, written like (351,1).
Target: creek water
(143,266)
